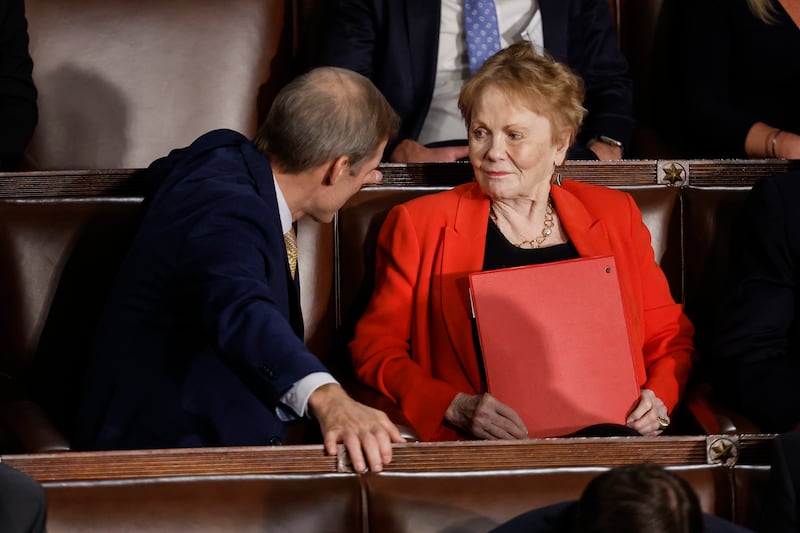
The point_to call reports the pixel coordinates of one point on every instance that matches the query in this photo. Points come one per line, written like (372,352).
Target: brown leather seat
(123,82)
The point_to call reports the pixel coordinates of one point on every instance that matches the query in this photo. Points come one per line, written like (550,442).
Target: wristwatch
(608,140)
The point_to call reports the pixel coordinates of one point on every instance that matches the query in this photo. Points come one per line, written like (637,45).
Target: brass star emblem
(723,451)
(673,173)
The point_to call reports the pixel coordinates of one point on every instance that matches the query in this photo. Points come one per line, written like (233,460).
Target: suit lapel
(261,171)
(422,28)
(555,16)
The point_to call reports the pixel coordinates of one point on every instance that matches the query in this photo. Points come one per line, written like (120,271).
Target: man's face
(331,197)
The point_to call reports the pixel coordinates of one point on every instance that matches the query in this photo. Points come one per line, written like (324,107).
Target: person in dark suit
(413,50)
(23,502)
(201,342)
(18,110)
(756,346)
(627,499)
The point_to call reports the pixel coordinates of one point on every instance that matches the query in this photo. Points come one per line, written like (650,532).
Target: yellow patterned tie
(290,239)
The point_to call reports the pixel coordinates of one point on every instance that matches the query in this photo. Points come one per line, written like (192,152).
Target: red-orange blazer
(414,342)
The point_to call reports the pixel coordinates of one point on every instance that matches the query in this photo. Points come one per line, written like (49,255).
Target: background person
(756,346)
(415,342)
(628,499)
(780,510)
(201,341)
(415,52)
(743,78)
(18,110)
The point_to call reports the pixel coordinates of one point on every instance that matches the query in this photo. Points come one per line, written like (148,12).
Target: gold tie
(290,239)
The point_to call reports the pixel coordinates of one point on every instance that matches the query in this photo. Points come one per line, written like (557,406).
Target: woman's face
(511,147)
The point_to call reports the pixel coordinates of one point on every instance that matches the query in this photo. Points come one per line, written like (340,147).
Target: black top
(502,254)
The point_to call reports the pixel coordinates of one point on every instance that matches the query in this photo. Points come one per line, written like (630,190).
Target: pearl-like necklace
(536,242)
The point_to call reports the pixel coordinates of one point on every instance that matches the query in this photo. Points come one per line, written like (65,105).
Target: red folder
(555,343)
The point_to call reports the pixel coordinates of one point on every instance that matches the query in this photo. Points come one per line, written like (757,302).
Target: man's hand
(645,416)
(364,431)
(605,151)
(486,417)
(409,151)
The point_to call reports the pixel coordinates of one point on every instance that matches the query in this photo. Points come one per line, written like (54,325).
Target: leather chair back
(122,82)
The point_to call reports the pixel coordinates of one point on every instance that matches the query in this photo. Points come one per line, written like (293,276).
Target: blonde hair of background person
(763,9)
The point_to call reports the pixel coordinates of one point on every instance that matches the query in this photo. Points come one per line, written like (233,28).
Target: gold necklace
(536,242)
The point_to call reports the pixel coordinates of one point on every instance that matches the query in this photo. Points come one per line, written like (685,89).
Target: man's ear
(339,168)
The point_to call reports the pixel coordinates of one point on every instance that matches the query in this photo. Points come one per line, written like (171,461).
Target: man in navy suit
(201,341)
(414,51)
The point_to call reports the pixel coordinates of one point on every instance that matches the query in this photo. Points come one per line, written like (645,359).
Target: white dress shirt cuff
(296,398)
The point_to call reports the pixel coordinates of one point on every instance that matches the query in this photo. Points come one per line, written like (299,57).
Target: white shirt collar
(283,208)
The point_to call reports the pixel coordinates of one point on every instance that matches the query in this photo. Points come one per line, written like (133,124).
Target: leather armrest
(31,428)
(713,418)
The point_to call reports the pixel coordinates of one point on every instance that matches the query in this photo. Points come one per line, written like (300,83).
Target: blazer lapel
(462,254)
(585,231)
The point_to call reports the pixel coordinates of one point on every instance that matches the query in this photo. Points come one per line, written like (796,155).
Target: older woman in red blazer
(415,342)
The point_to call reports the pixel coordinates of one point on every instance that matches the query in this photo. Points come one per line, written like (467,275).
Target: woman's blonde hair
(540,83)
(763,9)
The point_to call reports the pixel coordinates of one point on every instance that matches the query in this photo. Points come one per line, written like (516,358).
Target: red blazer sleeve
(381,348)
(667,347)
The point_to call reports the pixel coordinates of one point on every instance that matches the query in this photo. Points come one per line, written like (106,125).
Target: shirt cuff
(296,398)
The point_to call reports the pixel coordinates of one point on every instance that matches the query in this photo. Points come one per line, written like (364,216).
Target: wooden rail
(468,456)
(128,182)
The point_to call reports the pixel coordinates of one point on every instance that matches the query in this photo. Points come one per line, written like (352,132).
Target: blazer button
(275,441)
(267,371)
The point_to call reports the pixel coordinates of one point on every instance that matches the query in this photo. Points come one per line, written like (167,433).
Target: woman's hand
(486,417)
(645,416)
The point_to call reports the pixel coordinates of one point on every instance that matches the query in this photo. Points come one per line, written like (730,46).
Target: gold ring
(663,422)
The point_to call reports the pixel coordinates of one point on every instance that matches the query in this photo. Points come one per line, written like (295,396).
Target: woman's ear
(563,143)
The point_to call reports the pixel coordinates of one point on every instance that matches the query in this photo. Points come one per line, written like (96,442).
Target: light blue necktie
(483,37)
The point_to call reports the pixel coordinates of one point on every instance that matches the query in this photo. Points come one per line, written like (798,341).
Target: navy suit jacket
(203,332)
(756,352)
(395,44)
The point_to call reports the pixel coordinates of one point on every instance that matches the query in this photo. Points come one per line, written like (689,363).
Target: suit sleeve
(594,55)
(381,346)
(667,347)
(755,361)
(235,279)
(349,37)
